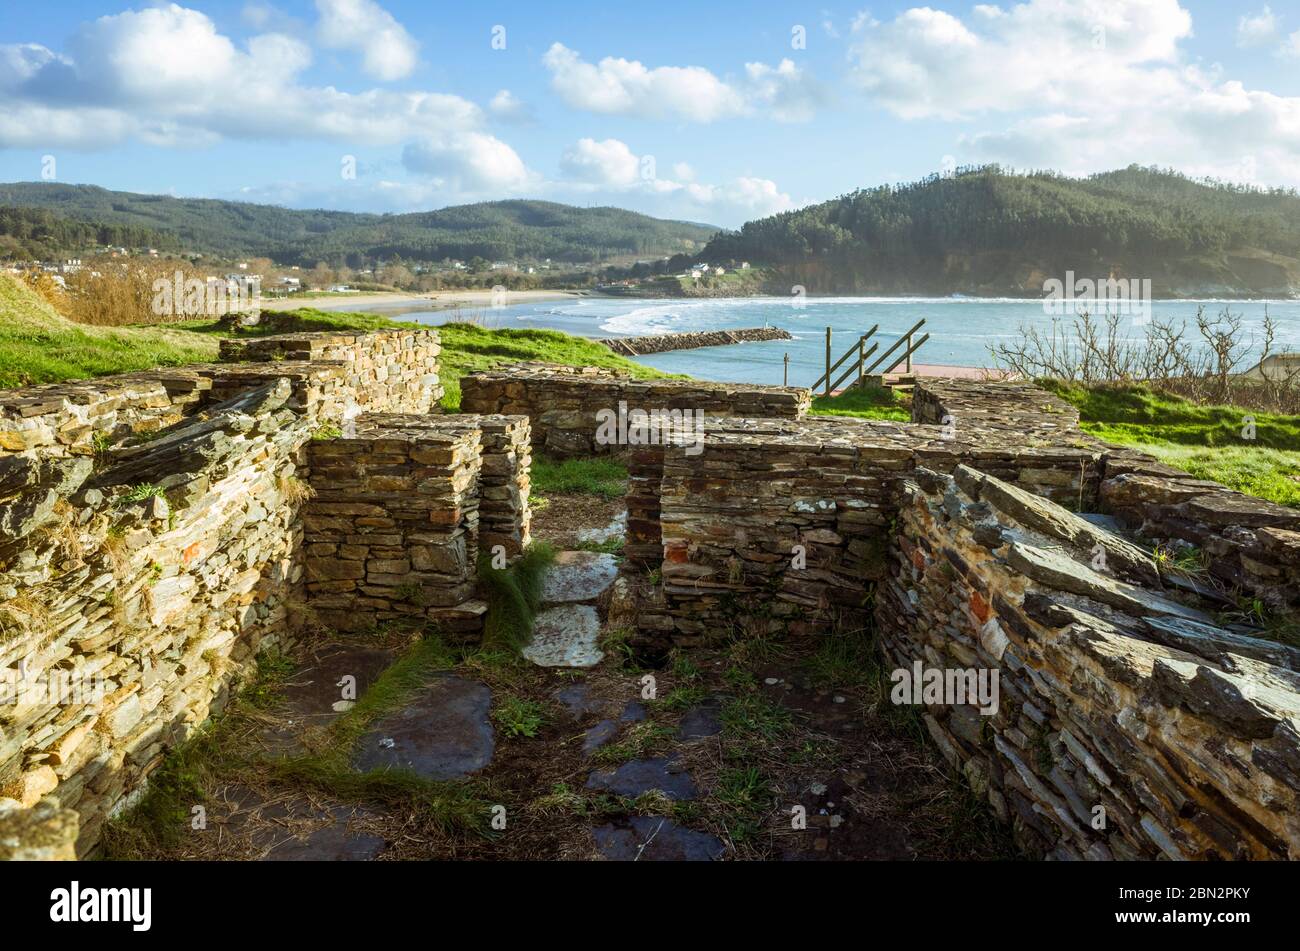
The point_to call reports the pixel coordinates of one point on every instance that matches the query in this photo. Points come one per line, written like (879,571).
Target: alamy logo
(1123,296)
(74,904)
(946,686)
(638,427)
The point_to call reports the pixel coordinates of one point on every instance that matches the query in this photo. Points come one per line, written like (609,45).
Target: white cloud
(388,52)
(167,76)
(926,62)
(610,171)
(467,162)
(617,86)
(1090,85)
(1292,45)
(508,107)
(1256,29)
(609,162)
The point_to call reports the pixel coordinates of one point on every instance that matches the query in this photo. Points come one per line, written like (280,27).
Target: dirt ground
(764,751)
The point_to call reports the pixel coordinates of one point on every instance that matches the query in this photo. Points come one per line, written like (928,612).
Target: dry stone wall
(1128,724)
(392,529)
(562,403)
(148,584)
(153,543)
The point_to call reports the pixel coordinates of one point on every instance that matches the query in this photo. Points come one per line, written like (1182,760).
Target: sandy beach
(434,300)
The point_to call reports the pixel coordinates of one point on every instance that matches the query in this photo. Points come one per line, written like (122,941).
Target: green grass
(39,346)
(1205,441)
(864,403)
(599,475)
(518,717)
(468,348)
(513,595)
(302,320)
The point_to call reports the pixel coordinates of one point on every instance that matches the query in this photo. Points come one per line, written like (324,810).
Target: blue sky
(716,112)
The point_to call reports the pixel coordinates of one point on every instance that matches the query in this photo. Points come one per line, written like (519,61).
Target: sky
(717,112)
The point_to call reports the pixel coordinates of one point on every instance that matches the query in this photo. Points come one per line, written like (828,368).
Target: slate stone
(577,699)
(566,636)
(443,734)
(578,576)
(642,775)
(656,839)
(332,843)
(701,721)
(598,736)
(1053,568)
(633,712)
(313,696)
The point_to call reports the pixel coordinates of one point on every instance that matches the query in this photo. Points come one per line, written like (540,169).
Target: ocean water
(961,329)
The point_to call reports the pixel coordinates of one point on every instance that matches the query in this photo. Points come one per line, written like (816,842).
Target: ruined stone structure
(161,529)
(562,403)
(1132,722)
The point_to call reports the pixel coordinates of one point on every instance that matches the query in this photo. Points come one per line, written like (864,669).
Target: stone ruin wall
(562,403)
(153,543)
(1186,733)
(1129,726)
(402,507)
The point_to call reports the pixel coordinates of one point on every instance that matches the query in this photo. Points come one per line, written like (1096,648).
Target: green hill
(986,231)
(38,345)
(500,230)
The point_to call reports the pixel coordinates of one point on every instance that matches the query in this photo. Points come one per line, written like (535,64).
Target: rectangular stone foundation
(392,533)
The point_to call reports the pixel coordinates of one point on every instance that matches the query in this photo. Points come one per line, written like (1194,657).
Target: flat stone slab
(566,636)
(443,734)
(598,736)
(615,529)
(642,775)
(656,839)
(699,722)
(329,683)
(578,576)
(333,843)
(578,700)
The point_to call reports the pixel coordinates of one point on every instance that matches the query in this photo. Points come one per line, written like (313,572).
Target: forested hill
(986,231)
(501,230)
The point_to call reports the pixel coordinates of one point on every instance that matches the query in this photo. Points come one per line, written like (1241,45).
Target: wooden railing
(862,352)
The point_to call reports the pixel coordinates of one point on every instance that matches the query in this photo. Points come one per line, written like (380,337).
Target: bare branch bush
(1204,365)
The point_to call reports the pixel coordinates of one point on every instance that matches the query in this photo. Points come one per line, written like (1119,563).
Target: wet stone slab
(655,839)
(444,733)
(578,576)
(566,636)
(319,692)
(298,828)
(701,721)
(638,776)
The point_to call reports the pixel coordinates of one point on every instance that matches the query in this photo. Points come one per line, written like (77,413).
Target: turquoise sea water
(961,329)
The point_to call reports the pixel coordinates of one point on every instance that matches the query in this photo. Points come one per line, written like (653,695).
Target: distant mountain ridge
(499,230)
(985,231)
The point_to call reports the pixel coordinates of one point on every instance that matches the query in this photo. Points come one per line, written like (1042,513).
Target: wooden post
(785,372)
(862,344)
(908,368)
(828,361)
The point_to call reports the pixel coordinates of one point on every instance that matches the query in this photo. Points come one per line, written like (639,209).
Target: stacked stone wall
(153,544)
(1128,724)
(563,403)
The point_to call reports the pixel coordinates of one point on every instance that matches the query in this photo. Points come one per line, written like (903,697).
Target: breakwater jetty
(661,343)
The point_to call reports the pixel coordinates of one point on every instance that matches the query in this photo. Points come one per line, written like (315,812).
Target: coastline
(434,300)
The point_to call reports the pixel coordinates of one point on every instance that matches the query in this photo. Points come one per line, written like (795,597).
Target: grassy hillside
(507,230)
(1205,441)
(986,231)
(39,346)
